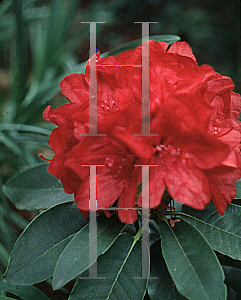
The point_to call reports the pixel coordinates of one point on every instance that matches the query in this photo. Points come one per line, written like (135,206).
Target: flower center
(109,104)
(166,151)
(163,150)
(109,162)
(216,131)
(120,165)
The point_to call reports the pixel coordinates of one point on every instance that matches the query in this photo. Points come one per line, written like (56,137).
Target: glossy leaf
(192,263)
(233,278)
(36,188)
(24,292)
(170,39)
(222,232)
(162,288)
(38,248)
(120,265)
(238,188)
(75,258)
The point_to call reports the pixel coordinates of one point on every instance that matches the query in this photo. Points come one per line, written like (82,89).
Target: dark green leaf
(20,82)
(192,263)
(238,188)
(24,292)
(4,253)
(222,232)
(120,265)
(23,128)
(162,288)
(170,39)
(75,258)
(233,278)
(36,188)
(26,133)
(5,298)
(38,248)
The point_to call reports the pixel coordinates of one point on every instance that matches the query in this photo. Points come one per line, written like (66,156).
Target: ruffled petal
(75,88)
(186,183)
(126,212)
(235,105)
(220,198)
(155,188)
(183,49)
(222,185)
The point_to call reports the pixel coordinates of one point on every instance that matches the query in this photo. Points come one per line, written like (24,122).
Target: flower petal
(126,211)
(75,88)
(183,49)
(186,183)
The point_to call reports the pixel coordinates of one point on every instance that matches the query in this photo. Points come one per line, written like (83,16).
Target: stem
(173,213)
(138,235)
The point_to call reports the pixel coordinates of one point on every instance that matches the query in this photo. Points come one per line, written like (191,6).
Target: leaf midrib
(47,251)
(188,261)
(87,247)
(121,268)
(208,224)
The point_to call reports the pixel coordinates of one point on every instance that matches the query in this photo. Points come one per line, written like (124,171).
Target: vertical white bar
(145,223)
(93,225)
(145,243)
(93,82)
(145,79)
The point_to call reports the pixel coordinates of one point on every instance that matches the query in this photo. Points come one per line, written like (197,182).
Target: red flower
(193,112)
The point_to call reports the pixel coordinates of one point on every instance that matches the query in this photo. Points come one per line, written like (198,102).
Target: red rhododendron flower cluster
(193,114)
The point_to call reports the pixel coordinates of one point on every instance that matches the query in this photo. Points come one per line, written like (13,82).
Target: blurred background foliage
(42,41)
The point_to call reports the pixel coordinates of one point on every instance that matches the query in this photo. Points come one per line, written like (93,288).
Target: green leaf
(24,292)
(121,266)
(20,81)
(38,248)
(23,128)
(233,278)
(238,188)
(75,257)
(192,263)
(23,133)
(162,288)
(170,39)
(6,298)
(4,254)
(36,188)
(222,232)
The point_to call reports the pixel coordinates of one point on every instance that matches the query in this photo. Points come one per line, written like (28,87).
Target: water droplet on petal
(216,131)
(173,152)
(109,162)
